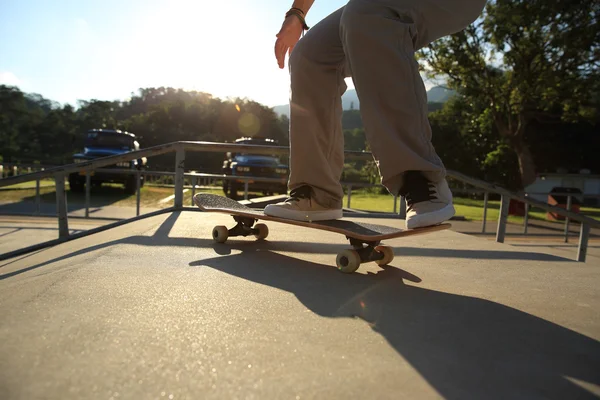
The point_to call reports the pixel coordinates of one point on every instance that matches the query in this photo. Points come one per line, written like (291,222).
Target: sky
(69,50)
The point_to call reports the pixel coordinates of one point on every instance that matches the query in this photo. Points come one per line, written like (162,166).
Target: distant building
(588,184)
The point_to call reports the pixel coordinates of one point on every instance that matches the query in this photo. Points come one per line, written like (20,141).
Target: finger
(277,48)
(280,50)
(281,58)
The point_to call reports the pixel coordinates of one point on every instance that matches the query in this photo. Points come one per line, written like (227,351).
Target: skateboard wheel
(388,255)
(348,261)
(220,234)
(263,231)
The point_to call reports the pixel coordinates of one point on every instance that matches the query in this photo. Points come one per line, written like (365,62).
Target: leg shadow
(465,347)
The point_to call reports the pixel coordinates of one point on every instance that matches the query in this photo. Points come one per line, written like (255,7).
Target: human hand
(287,38)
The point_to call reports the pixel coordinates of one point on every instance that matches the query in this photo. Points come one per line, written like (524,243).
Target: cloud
(8,78)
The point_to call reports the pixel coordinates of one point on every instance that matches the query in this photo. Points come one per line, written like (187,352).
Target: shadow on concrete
(99,197)
(572,235)
(479,254)
(299,247)
(399,251)
(161,238)
(17,259)
(464,347)
(16,229)
(552,244)
(574,227)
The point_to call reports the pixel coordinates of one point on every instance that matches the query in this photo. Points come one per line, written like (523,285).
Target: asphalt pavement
(156,309)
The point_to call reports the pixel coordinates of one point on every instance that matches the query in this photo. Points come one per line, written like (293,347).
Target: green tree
(98,114)
(527,60)
(20,114)
(352,119)
(355,139)
(57,135)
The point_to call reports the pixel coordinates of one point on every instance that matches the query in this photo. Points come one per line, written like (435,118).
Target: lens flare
(249,124)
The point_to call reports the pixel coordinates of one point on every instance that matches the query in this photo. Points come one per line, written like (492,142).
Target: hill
(436,94)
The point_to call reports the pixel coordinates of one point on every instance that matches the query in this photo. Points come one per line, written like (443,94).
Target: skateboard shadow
(162,238)
(399,251)
(464,347)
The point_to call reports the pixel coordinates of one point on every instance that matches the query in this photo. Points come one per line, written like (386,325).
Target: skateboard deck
(364,237)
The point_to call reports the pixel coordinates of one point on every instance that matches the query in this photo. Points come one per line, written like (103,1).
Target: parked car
(101,143)
(255,165)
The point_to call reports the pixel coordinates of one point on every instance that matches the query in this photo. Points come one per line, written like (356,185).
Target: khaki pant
(374,42)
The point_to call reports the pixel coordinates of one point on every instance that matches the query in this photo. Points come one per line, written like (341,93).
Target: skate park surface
(156,309)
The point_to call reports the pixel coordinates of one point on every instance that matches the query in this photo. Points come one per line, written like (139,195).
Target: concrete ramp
(155,309)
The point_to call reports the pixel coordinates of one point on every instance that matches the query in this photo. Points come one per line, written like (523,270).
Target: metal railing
(568,206)
(506,196)
(60,173)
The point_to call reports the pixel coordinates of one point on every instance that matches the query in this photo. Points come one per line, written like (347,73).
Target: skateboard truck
(366,250)
(365,238)
(244,227)
(348,261)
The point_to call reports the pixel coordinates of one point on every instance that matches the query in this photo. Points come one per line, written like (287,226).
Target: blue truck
(106,142)
(255,165)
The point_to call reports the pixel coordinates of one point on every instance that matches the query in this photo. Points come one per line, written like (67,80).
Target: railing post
(395,204)
(138,190)
(526,219)
(402,212)
(88,188)
(349,196)
(246,189)
(61,206)
(569,202)
(486,197)
(37,197)
(179,177)
(502,218)
(194,179)
(584,235)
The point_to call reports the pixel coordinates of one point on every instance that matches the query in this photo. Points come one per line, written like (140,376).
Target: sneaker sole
(306,216)
(432,218)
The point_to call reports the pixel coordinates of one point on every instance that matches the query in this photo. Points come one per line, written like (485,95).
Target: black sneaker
(427,203)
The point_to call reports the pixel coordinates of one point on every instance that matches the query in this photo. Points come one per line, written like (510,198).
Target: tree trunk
(515,138)
(526,164)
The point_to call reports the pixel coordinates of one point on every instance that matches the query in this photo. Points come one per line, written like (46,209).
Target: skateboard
(365,238)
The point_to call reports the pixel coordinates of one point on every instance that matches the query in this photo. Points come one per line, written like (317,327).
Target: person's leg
(316,138)
(380,38)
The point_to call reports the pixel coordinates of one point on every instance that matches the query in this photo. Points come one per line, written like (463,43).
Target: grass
(30,184)
(107,195)
(151,196)
(471,209)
